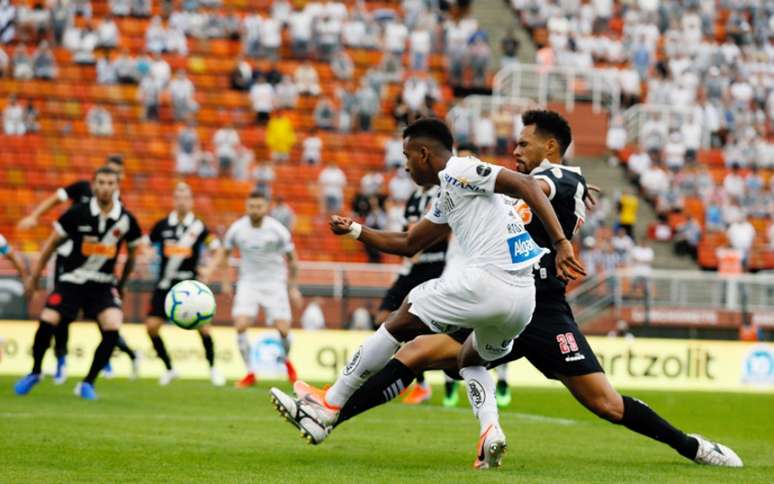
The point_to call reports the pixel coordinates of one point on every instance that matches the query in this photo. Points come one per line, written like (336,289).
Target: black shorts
(404,284)
(68,299)
(552,343)
(156,308)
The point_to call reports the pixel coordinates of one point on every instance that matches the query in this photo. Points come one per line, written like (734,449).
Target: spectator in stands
(674,152)
(733,183)
(31,124)
(312,149)
(390,70)
(353,31)
(22,65)
(251,35)
(7,21)
(182,90)
(420,45)
(331,183)
(43,62)
(271,37)
(627,205)
(120,8)
(300,26)
(741,235)
(187,149)
(149,95)
(176,41)
(480,56)
(371,184)
(509,49)
(107,33)
(503,124)
(655,181)
(401,186)
(263,176)
(342,66)
(713,216)
(688,238)
(325,114)
(141,8)
(484,133)
(241,77)
(328,34)
(226,142)
(286,93)
(13,118)
(616,135)
(126,68)
(313,318)
(366,107)
(273,75)
(393,211)
(622,243)
(459,118)
(99,121)
(395,36)
(262,99)
(393,151)
(160,71)
(280,136)
(283,213)
(307,81)
(83,52)
(207,165)
(61,18)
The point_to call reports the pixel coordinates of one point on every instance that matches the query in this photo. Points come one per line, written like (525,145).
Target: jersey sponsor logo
(84,228)
(353,362)
(173,250)
(483,170)
(476,393)
(523,211)
(461,183)
(522,248)
(91,246)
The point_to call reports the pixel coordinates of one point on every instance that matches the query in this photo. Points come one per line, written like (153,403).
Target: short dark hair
(432,128)
(116,158)
(550,123)
(258,194)
(104,170)
(468,147)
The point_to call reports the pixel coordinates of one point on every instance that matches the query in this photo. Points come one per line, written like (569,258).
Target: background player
(87,282)
(179,239)
(426,265)
(76,192)
(268,275)
(552,342)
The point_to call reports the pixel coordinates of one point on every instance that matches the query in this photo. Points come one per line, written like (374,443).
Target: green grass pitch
(192,432)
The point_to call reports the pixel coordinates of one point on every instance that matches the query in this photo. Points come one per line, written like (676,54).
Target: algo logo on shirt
(91,247)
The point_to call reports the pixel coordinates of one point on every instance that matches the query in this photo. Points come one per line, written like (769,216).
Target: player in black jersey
(76,192)
(428,264)
(87,282)
(179,239)
(552,341)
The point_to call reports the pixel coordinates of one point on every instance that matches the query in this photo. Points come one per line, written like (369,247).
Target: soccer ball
(190,304)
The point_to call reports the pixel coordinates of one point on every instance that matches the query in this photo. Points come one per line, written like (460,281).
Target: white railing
(666,118)
(559,83)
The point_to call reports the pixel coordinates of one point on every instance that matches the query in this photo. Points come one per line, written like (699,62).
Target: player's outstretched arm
(421,236)
(516,185)
(43,207)
(53,241)
(17,263)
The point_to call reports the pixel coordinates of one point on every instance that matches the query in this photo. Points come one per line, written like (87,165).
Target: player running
(493,294)
(552,342)
(180,238)
(97,230)
(77,192)
(428,264)
(268,274)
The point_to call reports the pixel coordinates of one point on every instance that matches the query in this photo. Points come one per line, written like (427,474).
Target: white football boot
(168,377)
(217,378)
(491,447)
(715,454)
(312,419)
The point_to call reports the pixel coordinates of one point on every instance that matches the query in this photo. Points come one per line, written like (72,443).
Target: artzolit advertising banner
(319,355)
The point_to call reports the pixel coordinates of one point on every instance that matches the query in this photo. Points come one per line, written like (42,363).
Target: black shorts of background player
(552,341)
(97,230)
(179,240)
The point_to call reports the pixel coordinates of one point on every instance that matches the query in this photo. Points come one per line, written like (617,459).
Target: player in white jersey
(267,277)
(493,293)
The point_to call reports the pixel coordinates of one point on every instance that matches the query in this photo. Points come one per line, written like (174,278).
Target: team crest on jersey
(523,210)
(116,232)
(483,170)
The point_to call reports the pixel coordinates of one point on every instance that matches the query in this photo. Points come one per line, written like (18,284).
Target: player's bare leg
(241,324)
(110,321)
(596,393)
(283,327)
(153,325)
(216,377)
(49,319)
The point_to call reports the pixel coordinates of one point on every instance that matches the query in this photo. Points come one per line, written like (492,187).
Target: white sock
(371,357)
(481,392)
(502,372)
(244,349)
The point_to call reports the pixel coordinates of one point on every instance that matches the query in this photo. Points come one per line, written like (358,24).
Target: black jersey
(179,244)
(416,206)
(78,192)
(567,189)
(95,241)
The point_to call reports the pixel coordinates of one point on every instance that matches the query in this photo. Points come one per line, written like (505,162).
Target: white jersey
(262,250)
(488,230)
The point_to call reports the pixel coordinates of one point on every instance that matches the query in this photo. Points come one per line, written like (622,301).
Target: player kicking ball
(97,230)
(180,239)
(552,342)
(267,278)
(492,294)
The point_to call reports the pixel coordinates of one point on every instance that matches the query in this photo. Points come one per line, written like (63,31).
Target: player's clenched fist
(340,225)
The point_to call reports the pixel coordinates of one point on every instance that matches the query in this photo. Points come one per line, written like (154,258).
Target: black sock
(502,386)
(450,386)
(102,354)
(161,350)
(642,419)
(61,336)
(209,348)
(380,388)
(421,378)
(121,343)
(40,344)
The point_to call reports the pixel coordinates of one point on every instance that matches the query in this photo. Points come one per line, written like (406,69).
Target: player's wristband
(354,231)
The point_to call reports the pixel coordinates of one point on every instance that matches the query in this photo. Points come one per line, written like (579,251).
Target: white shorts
(497,305)
(251,296)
